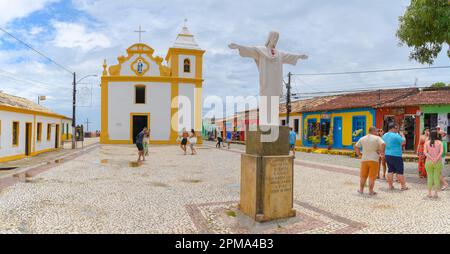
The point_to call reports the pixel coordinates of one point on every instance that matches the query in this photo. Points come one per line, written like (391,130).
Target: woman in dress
(420,152)
(146,142)
(433,165)
(193,141)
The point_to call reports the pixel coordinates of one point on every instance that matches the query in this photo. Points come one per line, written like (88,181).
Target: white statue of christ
(270,63)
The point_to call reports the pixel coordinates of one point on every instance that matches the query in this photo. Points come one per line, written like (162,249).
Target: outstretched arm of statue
(245,51)
(292,58)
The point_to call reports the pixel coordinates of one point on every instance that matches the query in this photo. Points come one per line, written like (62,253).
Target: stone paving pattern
(102,191)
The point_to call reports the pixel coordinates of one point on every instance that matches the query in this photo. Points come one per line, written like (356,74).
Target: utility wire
(370,71)
(14,76)
(38,52)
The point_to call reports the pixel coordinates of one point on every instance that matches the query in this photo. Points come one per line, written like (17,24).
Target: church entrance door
(138,123)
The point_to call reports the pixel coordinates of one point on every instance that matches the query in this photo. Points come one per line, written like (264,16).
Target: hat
(438,127)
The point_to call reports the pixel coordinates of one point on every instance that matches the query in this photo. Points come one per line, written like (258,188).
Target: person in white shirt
(373,147)
(192,141)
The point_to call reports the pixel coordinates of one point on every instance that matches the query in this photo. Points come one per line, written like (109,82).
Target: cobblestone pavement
(104,191)
(410,167)
(44,157)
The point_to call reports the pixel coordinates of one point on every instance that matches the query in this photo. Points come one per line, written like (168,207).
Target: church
(143,90)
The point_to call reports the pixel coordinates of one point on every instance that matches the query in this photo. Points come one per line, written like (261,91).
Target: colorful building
(27,129)
(342,120)
(427,108)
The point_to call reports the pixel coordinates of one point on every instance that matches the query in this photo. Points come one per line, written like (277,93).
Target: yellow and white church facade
(143,90)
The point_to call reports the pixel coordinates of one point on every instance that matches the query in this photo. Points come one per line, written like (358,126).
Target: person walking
(146,142)
(219,140)
(140,144)
(433,164)
(192,142)
(229,137)
(394,151)
(292,139)
(443,138)
(184,140)
(382,159)
(421,153)
(373,148)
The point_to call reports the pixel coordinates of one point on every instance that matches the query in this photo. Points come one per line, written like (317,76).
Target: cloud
(19,8)
(72,35)
(351,36)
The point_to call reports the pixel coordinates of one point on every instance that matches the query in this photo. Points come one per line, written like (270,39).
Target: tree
(438,84)
(425,27)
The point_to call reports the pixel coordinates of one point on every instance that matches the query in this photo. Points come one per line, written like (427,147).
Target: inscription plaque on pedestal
(267,184)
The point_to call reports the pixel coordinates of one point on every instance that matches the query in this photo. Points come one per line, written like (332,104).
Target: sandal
(360,192)
(373,193)
(444,188)
(405,189)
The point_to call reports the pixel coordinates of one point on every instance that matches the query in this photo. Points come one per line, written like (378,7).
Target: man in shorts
(394,142)
(373,148)
(292,139)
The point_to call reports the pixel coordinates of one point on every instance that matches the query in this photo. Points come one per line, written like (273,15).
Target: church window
(140,94)
(15,136)
(187,65)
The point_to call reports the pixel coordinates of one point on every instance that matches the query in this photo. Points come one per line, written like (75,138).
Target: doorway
(28,128)
(138,123)
(410,129)
(337,132)
(57,137)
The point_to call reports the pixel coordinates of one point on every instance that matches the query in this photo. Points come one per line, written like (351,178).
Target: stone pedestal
(267,178)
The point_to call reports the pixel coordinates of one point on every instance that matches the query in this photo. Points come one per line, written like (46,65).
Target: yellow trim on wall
(151,79)
(199,67)
(49,131)
(132,124)
(12,158)
(174,106)
(104,136)
(29,111)
(34,136)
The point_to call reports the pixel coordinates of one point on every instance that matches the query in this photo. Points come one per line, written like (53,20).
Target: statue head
(272,40)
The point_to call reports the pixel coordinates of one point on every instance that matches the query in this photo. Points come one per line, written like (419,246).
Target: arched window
(187,65)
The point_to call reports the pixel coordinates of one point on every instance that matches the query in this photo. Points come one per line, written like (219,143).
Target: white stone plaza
(104,191)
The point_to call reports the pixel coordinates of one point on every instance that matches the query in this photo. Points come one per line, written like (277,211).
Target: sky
(350,35)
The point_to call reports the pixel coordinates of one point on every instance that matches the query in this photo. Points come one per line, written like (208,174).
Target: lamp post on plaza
(74,102)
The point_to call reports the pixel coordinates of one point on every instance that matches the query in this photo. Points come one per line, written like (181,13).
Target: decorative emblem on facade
(140,66)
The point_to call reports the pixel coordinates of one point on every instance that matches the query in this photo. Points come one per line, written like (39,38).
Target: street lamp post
(74,102)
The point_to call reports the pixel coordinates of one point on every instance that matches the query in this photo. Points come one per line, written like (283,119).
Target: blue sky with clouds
(346,35)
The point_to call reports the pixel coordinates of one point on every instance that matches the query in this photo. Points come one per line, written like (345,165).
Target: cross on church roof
(140,31)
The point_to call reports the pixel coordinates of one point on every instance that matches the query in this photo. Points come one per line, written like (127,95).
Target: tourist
(292,139)
(420,152)
(394,142)
(229,137)
(146,142)
(219,140)
(193,141)
(382,159)
(184,140)
(140,145)
(373,148)
(443,138)
(433,164)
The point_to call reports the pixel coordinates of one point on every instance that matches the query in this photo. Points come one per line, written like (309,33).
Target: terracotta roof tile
(22,103)
(425,97)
